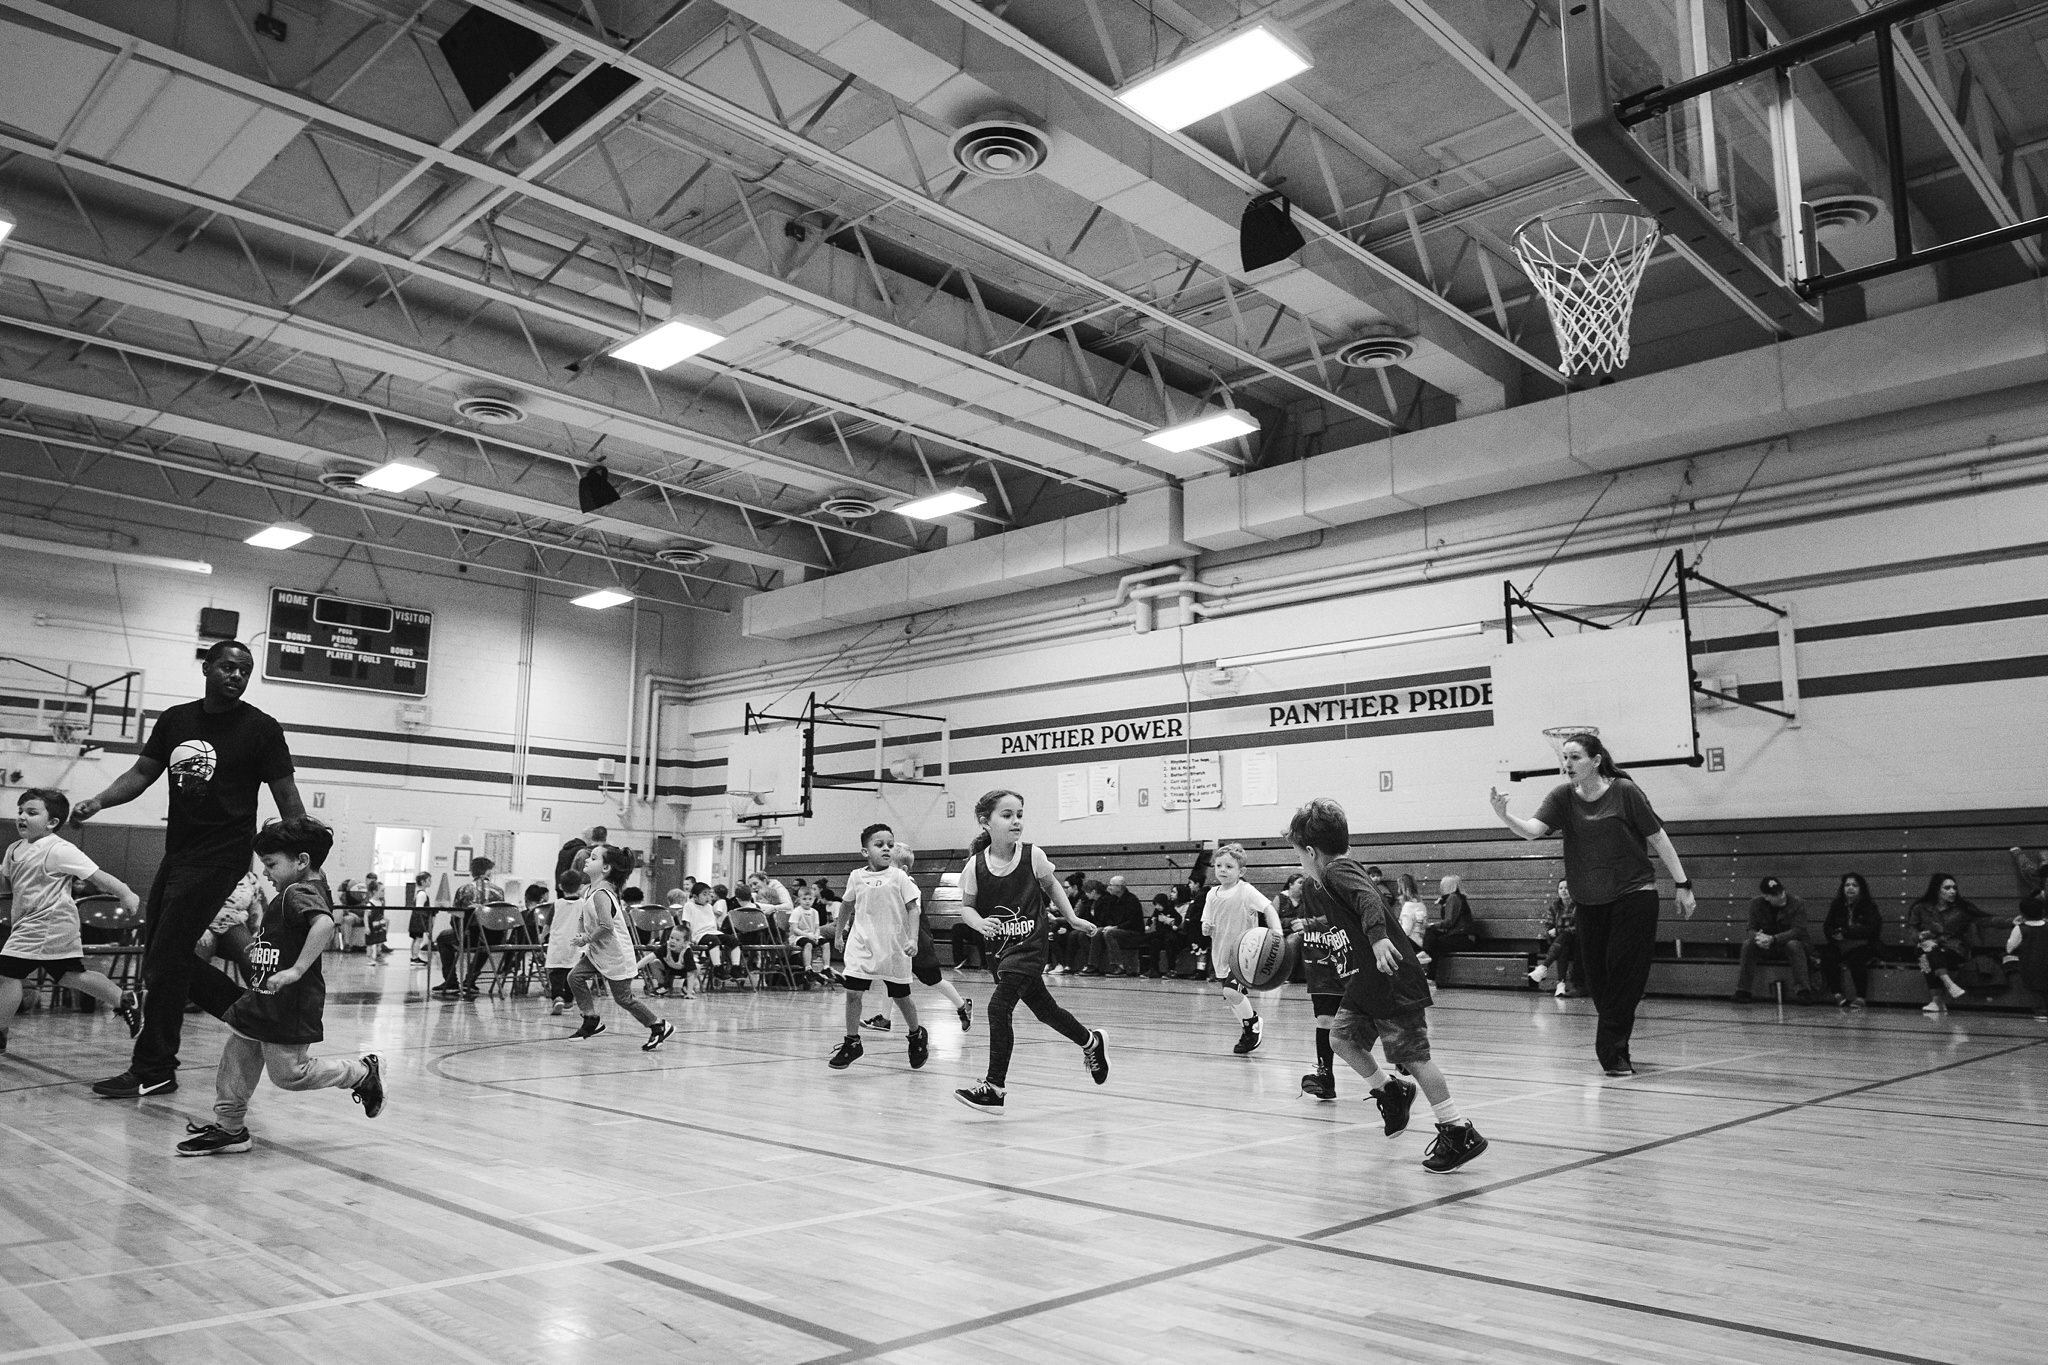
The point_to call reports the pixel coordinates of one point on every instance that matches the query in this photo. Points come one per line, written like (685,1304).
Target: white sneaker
(1561,992)
(1934,1007)
(1540,975)
(1955,992)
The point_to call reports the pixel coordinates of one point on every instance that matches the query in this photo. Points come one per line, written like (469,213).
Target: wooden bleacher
(1510,881)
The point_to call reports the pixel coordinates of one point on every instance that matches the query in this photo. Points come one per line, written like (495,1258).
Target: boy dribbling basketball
(1235,907)
(1386,996)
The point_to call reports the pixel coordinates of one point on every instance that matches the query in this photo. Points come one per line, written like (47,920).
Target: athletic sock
(1326,1060)
(1447,1112)
(1240,1007)
(1377,1081)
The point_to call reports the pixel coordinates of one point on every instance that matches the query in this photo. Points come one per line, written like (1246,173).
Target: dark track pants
(1615,944)
(182,903)
(1029,987)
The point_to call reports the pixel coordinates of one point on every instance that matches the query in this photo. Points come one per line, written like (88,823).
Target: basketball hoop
(1558,734)
(1587,260)
(66,731)
(744,803)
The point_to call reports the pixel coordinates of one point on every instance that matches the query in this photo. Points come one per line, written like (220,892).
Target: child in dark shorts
(1386,995)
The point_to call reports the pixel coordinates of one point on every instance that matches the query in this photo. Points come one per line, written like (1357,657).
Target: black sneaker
(878,1022)
(1248,1041)
(130,1012)
(448,990)
(129,1086)
(984,1097)
(589,1028)
(213,1140)
(369,1091)
(966,1013)
(1455,1144)
(1321,1084)
(850,1051)
(920,1048)
(1395,1099)
(662,1031)
(1095,1052)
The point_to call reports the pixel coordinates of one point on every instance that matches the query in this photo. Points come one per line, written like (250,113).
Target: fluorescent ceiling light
(1206,430)
(103,555)
(1405,637)
(282,536)
(1217,77)
(602,598)
(942,504)
(669,344)
(6,228)
(396,477)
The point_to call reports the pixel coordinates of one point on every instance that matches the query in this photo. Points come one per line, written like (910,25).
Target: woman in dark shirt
(1609,833)
(1939,925)
(1849,941)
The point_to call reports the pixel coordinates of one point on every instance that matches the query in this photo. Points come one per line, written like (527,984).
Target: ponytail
(983,810)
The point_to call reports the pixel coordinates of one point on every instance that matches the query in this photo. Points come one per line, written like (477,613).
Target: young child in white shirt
(39,868)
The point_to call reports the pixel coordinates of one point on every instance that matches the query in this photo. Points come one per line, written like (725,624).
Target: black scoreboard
(336,642)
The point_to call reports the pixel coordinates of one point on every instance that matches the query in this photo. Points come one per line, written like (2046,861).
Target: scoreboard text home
(336,642)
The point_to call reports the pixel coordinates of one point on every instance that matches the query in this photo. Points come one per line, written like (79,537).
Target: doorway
(401,855)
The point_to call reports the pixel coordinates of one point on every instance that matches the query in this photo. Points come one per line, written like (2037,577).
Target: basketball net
(1587,260)
(1558,734)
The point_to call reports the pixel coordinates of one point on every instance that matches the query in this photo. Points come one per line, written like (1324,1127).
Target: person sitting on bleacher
(1939,926)
(1777,925)
(1453,931)
(1122,917)
(1560,941)
(1165,936)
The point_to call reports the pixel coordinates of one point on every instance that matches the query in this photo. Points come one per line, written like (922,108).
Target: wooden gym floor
(1774,1187)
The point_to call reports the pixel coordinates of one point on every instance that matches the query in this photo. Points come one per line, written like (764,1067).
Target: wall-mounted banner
(1193,782)
(1107,733)
(1446,699)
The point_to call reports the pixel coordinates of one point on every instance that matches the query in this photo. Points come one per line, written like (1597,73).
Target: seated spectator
(1288,902)
(1122,917)
(1939,925)
(1777,928)
(1068,950)
(1165,936)
(1389,892)
(1560,941)
(464,933)
(673,961)
(1849,940)
(350,928)
(717,947)
(807,936)
(768,894)
(1410,912)
(1454,931)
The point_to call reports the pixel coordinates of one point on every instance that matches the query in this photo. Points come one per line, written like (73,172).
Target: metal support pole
(1894,143)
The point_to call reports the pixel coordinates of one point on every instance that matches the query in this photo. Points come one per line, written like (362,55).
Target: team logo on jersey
(1009,924)
(1331,945)
(263,958)
(193,764)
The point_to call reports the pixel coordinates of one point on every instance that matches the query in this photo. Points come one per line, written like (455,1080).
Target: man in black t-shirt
(219,752)
(571,853)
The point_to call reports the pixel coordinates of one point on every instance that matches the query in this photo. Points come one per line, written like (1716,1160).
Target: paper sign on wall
(1193,782)
(1102,784)
(1260,778)
(1073,793)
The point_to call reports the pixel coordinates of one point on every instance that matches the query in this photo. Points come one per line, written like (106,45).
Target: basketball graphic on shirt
(192,766)
(1008,924)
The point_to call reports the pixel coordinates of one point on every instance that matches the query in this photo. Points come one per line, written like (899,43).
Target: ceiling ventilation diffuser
(681,556)
(999,149)
(491,408)
(1375,352)
(848,507)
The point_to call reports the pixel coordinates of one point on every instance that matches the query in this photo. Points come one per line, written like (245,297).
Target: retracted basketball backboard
(1632,685)
(767,770)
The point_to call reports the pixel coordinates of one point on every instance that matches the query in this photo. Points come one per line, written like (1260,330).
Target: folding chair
(650,924)
(514,956)
(763,952)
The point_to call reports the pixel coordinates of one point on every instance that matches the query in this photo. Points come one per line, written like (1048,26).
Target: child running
(605,946)
(1006,887)
(881,938)
(1235,907)
(1386,995)
(924,962)
(39,868)
(279,1017)
(562,928)
(1320,942)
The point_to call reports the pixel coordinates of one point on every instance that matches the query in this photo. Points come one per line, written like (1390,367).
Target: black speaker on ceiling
(218,623)
(591,95)
(594,489)
(486,51)
(1267,232)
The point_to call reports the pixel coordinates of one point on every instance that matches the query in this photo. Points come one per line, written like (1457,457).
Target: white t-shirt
(883,936)
(1413,916)
(45,916)
(1228,915)
(562,931)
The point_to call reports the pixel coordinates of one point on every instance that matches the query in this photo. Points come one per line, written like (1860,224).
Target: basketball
(1264,958)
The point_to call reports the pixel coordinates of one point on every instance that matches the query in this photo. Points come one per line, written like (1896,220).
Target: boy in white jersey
(1233,909)
(881,938)
(924,962)
(39,869)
